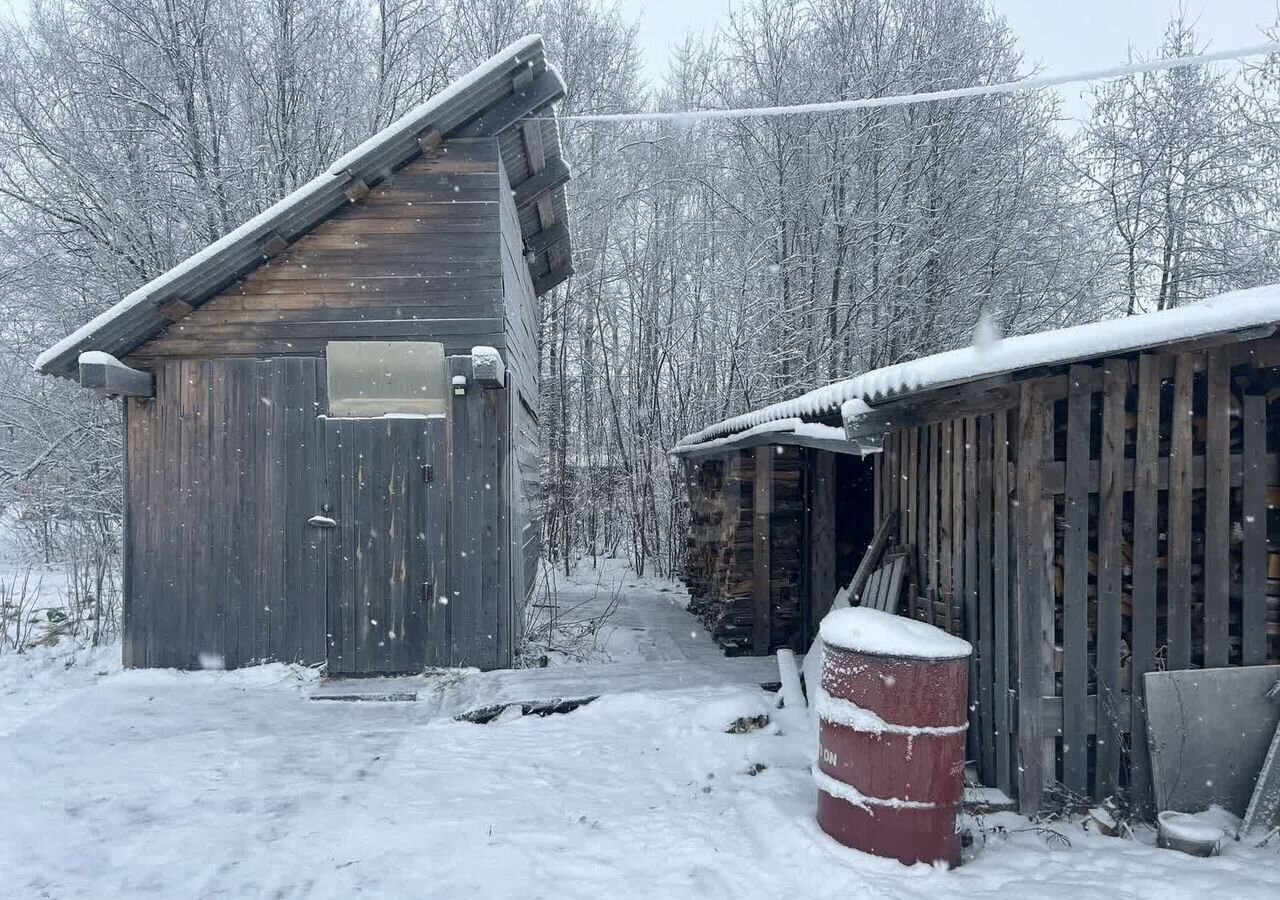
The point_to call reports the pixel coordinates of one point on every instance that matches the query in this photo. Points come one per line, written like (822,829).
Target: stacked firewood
(727,605)
(706,509)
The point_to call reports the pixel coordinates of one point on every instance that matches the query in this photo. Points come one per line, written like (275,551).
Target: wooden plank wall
(1123,518)
(479,613)
(521,314)
(218,489)
(417,258)
(1157,541)
(949,482)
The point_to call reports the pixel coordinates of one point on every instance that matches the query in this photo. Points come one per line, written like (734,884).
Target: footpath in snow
(235,784)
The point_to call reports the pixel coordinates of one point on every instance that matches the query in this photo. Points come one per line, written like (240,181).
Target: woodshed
(1084,506)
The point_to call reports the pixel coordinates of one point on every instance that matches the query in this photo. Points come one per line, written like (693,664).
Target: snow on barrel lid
(883,634)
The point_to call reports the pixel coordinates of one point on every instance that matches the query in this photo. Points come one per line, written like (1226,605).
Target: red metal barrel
(892,720)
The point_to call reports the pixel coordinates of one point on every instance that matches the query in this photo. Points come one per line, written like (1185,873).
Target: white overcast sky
(1059,35)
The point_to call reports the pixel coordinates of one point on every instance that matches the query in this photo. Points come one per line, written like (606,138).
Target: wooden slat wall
(949,483)
(414,259)
(1149,578)
(219,562)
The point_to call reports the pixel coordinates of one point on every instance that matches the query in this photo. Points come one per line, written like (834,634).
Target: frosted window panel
(377,378)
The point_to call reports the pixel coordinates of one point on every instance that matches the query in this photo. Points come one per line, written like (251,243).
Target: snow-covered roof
(486,101)
(1220,315)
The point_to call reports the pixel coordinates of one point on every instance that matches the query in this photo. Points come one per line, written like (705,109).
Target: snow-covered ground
(234,784)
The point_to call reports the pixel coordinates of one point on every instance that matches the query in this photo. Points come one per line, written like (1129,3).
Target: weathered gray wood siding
(478,612)
(228,462)
(520,314)
(1082,529)
(414,259)
(219,487)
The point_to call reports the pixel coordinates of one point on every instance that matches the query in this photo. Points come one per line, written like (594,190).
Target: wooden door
(385,515)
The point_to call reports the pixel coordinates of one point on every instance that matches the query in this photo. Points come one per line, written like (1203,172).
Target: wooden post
(761,625)
(986,613)
(1180,489)
(1004,643)
(1035,595)
(1075,596)
(822,585)
(935,442)
(970,500)
(1253,613)
(1145,548)
(1217,505)
(1110,561)
(946,586)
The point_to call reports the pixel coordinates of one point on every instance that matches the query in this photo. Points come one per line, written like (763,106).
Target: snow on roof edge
(1224,313)
(409,122)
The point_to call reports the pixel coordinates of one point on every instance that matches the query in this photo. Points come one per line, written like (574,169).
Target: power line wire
(981,90)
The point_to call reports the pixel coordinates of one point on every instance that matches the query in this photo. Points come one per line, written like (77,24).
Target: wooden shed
(331,412)
(1083,506)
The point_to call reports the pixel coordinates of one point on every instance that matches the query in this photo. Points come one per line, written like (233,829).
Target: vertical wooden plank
(411,654)
(349,597)
(1035,595)
(166,503)
(366,588)
(904,486)
(491,548)
(1179,528)
(460,615)
(823,586)
(127,528)
(1217,510)
(275,495)
(985,605)
(228,399)
(972,512)
(1110,563)
(437,544)
(958,566)
(195,613)
(1075,581)
(877,481)
(931,577)
(1001,599)
(918,605)
(1144,558)
(945,583)
(509,550)
(912,472)
(1253,608)
(217,519)
(761,624)
(311,589)
(330,432)
(242,550)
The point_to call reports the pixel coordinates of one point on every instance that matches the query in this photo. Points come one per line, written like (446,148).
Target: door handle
(322,522)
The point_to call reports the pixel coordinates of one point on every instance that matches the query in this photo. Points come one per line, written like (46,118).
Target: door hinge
(428,474)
